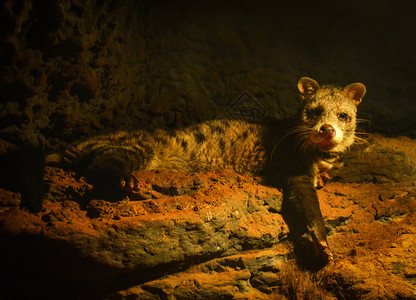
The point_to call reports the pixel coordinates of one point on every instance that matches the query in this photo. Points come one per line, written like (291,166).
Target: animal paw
(71,154)
(129,184)
(321,179)
(324,252)
(321,247)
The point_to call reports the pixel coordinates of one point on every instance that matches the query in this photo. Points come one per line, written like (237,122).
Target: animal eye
(313,113)
(343,117)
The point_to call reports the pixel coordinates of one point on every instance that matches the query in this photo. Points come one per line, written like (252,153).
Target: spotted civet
(288,153)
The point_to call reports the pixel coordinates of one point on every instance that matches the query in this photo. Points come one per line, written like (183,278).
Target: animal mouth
(326,144)
(326,137)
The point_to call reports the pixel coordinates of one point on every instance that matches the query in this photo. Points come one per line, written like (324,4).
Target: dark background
(71,69)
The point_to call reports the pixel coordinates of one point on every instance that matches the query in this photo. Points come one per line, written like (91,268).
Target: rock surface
(215,235)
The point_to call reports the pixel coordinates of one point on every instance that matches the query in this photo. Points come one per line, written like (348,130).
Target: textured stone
(214,235)
(194,223)
(391,160)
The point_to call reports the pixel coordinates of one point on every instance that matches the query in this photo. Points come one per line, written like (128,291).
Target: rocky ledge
(215,235)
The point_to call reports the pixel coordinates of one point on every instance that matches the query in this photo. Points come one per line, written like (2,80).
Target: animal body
(290,154)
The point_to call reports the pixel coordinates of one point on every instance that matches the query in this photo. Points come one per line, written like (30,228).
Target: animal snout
(327,131)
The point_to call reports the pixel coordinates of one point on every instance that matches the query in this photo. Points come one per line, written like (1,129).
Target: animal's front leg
(303,215)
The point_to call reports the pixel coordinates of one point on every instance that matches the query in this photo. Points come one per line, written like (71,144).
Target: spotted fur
(289,153)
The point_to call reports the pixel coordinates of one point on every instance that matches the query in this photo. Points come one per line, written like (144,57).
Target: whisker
(362,133)
(358,121)
(361,141)
(301,135)
(303,142)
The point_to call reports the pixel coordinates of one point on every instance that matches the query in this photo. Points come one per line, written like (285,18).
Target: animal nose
(327,131)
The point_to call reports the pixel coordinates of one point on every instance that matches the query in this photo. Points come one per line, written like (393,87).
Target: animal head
(329,114)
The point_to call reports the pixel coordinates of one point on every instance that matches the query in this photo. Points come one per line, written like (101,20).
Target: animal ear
(355,91)
(307,86)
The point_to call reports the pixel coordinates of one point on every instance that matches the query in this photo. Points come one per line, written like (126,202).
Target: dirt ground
(214,235)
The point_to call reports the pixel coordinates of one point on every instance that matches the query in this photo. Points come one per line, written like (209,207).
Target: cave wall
(73,68)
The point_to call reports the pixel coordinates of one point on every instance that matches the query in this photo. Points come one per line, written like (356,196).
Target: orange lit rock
(216,234)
